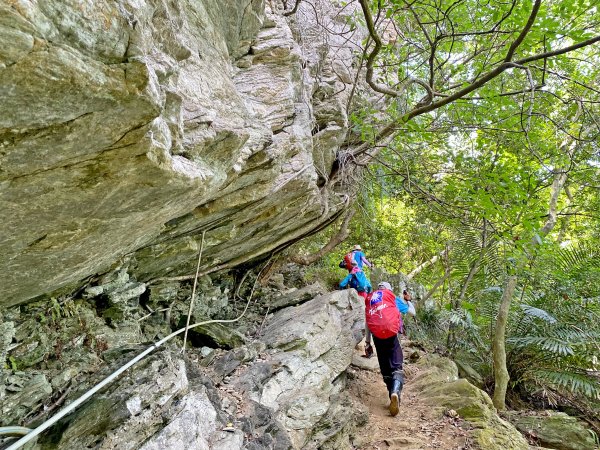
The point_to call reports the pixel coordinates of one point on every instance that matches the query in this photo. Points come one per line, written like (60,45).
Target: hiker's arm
(402,307)
(345,281)
(366,261)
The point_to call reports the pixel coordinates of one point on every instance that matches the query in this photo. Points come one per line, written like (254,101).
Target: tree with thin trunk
(426,264)
(501,376)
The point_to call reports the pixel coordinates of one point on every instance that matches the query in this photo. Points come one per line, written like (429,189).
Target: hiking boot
(395,391)
(368,351)
(394,404)
(388,383)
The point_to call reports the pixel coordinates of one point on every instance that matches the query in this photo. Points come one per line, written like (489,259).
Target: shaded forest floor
(417,426)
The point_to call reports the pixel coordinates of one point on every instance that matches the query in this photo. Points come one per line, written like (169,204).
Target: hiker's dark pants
(389,354)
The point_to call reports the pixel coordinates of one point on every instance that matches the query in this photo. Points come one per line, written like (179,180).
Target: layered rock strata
(128,128)
(283,390)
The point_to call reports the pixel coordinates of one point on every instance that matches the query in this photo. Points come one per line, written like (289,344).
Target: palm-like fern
(558,349)
(555,332)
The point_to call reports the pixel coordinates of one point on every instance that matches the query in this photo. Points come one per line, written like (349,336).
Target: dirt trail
(417,426)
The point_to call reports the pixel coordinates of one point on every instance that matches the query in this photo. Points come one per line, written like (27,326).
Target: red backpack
(347,261)
(382,315)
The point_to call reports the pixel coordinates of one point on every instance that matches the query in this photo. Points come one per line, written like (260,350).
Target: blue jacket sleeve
(402,307)
(345,281)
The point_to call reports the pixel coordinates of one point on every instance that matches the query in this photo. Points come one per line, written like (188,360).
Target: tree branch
(293,10)
(378,43)
(437,285)
(560,51)
(513,47)
(390,128)
(426,264)
(335,240)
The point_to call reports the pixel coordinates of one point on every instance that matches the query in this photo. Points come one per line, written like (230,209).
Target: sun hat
(385,285)
(357,247)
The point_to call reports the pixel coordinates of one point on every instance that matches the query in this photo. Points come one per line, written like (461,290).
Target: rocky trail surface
(417,426)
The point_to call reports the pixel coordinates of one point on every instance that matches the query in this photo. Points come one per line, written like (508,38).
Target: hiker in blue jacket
(357,279)
(360,257)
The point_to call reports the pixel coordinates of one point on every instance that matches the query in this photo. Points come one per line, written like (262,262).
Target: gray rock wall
(129,127)
(285,390)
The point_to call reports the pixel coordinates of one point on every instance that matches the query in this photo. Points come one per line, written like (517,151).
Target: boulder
(309,346)
(195,426)
(358,360)
(338,424)
(434,369)
(24,393)
(296,296)
(132,409)
(216,334)
(439,386)
(556,430)
(465,370)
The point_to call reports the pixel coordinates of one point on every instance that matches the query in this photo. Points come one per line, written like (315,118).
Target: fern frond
(574,382)
(550,344)
(578,257)
(537,313)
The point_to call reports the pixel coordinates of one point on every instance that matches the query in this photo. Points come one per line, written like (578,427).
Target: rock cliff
(128,128)
(282,390)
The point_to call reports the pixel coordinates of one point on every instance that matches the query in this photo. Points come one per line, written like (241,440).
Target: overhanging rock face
(127,128)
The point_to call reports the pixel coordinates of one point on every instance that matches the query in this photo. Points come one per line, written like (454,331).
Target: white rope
(68,409)
(189,315)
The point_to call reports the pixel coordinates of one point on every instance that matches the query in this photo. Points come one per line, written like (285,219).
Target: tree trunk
(501,376)
(437,285)
(564,226)
(559,181)
(426,264)
(335,240)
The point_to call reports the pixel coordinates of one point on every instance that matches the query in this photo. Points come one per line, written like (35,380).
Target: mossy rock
(499,435)
(433,370)
(465,370)
(440,388)
(555,430)
(446,368)
(470,402)
(216,334)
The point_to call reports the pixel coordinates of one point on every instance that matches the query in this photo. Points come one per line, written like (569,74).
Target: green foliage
(58,310)
(579,383)
(488,205)
(554,336)
(501,182)
(325,272)
(13,363)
